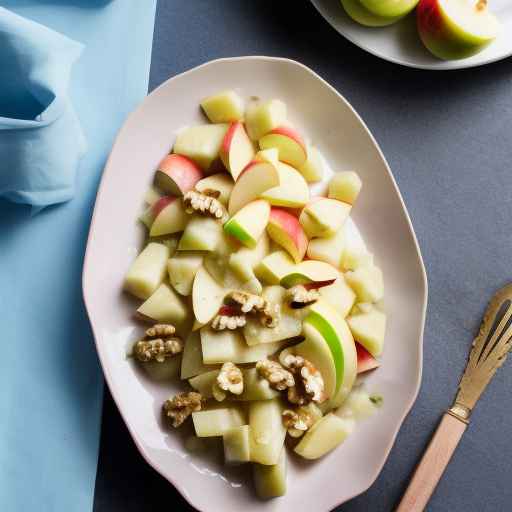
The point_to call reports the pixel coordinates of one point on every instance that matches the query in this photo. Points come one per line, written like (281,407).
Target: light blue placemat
(50,381)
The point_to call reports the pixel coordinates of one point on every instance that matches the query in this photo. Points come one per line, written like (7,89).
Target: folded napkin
(41,141)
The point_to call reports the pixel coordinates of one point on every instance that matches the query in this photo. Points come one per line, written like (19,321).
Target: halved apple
(339,295)
(248,224)
(147,272)
(207,296)
(358,12)
(223,107)
(201,143)
(345,186)
(274,267)
(323,217)
(313,168)
(252,182)
(365,361)
(177,174)
(261,118)
(330,249)
(291,146)
(292,191)
(310,273)
(201,234)
(182,269)
(221,182)
(368,325)
(287,232)
(367,282)
(244,261)
(390,8)
(170,216)
(236,150)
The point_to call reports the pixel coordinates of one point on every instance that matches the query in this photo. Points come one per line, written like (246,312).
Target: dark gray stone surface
(448,139)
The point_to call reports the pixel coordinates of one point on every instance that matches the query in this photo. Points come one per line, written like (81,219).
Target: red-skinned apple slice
(236,150)
(177,174)
(170,216)
(252,182)
(289,143)
(365,361)
(287,232)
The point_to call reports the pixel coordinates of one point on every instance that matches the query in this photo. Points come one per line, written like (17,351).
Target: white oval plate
(400,43)
(326,117)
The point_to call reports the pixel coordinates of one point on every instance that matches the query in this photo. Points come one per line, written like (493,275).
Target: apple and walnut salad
(255,294)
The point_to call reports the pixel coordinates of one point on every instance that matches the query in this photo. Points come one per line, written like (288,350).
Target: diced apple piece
(203,383)
(236,150)
(267,431)
(270,481)
(292,191)
(345,186)
(255,179)
(358,406)
(323,217)
(165,306)
(207,296)
(339,295)
(367,282)
(221,182)
(177,174)
(237,448)
(365,361)
(171,242)
(255,388)
(313,168)
(274,267)
(368,326)
(311,274)
(325,435)
(270,155)
(261,118)
(289,326)
(329,249)
(201,234)
(216,422)
(170,216)
(227,345)
(291,146)
(243,261)
(223,107)
(192,359)
(249,223)
(182,269)
(147,217)
(355,257)
(287,232)
(201,143)
(147,272)
(164,371)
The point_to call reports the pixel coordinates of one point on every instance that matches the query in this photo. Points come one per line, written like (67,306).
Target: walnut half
(229,381)
(249,303)
(158,344)
(178,408)
(309,384)
(299,297)
(299,420)
(279,378)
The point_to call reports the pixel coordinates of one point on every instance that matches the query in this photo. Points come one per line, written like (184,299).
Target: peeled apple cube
(223,107)
(192,358)
(270,481)
(243,261)
(255,388)
(267,431)
(325,435)
(201,234)
(330,249)
(261,118)
(217,422)
(182,269)
(339,295)
(368,326)
(147,272)
(165,306)
(237,445)
(313,168)
(345,186)
(203,383)
(274,267)
(367,282)
(164,371)
(355,257)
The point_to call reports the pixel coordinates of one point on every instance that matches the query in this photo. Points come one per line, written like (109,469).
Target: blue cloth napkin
(41,140)
(50,380)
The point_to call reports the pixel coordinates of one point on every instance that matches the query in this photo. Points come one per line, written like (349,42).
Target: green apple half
(358,12)
(389,8)
(249,223)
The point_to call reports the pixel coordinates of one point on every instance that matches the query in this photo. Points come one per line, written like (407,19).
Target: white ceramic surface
(324,116)
(400,43)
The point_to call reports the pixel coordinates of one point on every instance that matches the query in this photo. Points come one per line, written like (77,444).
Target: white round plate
(400,43)
(324,116)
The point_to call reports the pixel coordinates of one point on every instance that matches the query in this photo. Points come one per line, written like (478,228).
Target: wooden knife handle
(432,465)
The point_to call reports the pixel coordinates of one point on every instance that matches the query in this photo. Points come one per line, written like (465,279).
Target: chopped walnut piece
(158,344)
(297,421)
(250,303)
(310,386)
(204,204)
(299,297)
(221,322)
(278,377)
(180,407)
(230,379)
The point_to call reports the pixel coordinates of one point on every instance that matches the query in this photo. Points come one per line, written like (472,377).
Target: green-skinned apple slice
(285,230)
(292,191)
(236,150)
(221,182)
(177,174)
(237,446)
(182,269)
(170,216)
(270,481)
(201,234)
(311,274)
(323,217)
(290,144)
(223,107)
(368,326)
(255,179)
(201,143)
(248,224)
(345,186)
(261,118)
(147,272)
